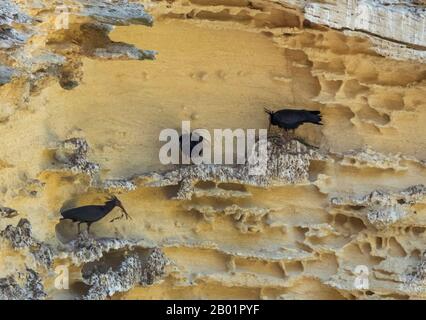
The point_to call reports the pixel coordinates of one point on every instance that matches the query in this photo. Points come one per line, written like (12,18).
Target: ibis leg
(88,228)
(78,227)
(284,136)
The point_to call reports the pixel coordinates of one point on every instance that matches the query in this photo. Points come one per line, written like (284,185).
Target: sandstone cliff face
(81,115)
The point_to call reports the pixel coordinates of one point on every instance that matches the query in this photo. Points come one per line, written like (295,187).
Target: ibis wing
(290,117)
(83,214)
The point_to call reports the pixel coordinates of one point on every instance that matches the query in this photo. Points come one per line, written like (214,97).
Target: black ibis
(93,213)
(290,119)
(192,143)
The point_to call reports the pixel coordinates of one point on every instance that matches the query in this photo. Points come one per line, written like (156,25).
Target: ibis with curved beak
(94,213)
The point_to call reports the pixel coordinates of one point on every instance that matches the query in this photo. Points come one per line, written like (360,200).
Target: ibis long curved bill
(128,217)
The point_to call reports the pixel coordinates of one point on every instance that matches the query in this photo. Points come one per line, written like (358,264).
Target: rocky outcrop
(396,28)
(45,41)
(131,272)
(31,288)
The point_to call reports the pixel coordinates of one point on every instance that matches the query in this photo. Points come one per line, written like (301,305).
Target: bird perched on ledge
(93,213)
(290,119)
(194,139)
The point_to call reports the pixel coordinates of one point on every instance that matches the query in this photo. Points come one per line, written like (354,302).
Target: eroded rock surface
(22,287)
(132,271)
(80,116)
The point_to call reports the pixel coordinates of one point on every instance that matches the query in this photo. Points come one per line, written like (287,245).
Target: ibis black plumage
(291,119)
(93,213)
(194,140)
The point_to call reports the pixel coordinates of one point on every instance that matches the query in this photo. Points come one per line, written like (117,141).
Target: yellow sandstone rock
(82,107)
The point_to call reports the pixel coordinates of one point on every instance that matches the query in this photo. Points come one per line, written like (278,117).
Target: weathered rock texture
(343,217)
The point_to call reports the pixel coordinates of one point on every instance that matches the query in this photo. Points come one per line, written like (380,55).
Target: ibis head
(117,203)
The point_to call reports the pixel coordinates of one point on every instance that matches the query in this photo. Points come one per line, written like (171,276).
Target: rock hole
(340,219)
(293,267)
(418,230)
(205,185)
(379,243)
(416,254)
(356,224)
(277,19)
(232,186)
(395,249)
(352,88)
